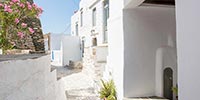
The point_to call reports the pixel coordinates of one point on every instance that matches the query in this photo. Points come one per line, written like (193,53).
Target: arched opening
(168,83)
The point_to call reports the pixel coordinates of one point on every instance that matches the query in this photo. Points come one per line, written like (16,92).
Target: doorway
(168,83)
(82,46)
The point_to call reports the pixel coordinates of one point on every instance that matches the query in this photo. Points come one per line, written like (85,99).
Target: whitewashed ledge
(28,77)
(20,57)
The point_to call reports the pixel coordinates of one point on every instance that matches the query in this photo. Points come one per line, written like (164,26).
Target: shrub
(108,90)
(13,15)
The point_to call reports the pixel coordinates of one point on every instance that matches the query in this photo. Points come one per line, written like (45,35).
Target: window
(106,16)
(81,18)
(83,45)
(76,28)
(94,17)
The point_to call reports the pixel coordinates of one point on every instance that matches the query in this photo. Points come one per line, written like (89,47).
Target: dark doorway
(168,83)
(83,46)
(94,41)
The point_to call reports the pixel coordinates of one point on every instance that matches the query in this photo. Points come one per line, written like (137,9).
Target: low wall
(29,79)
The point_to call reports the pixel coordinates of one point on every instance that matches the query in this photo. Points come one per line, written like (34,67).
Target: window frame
(81,18)
(94,17)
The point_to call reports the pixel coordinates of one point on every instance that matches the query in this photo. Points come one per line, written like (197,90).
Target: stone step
(81,94)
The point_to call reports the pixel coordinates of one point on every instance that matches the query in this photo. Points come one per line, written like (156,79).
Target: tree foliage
(13,26)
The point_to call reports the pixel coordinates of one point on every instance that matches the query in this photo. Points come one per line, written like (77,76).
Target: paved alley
(78,85)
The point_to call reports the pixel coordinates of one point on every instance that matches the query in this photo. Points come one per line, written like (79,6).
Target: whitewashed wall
(188,34)
(71,49)
(146,29)
(46,45)
(56,41)
(56,57)
(64,48)
(101,53)
(75,20)
(29,80)
(1,51)
(56,51)
(116,45)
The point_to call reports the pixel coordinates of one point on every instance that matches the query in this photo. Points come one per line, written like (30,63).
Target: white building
(151,45)
(90,24)
(152,48)
(64,48)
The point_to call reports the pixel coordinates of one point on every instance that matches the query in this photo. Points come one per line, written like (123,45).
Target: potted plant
(175,90)
(108,91)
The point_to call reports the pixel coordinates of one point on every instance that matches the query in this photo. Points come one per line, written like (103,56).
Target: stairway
(92,67)
(81,94)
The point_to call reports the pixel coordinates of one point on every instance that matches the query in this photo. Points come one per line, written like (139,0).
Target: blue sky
(57,15)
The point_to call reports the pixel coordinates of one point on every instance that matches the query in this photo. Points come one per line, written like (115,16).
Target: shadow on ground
(63,71)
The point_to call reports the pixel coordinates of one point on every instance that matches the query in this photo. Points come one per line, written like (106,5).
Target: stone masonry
(92,67)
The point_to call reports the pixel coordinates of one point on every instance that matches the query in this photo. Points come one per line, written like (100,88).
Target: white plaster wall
(71,49)
(28,80)
(116,45)
(55,47)
(56,57)
(146,28)
(74,21)
(188,23)
(46,45)
(1,51)
(56,41)
(101,53)
(65,48)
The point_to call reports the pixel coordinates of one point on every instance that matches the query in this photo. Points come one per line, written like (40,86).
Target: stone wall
(37,36)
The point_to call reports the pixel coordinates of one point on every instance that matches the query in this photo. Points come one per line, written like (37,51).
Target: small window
(76,28)
(81,18)
(106,8)
(94,17)
(105,20)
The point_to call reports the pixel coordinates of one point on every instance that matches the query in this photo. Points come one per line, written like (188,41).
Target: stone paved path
(79,86)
